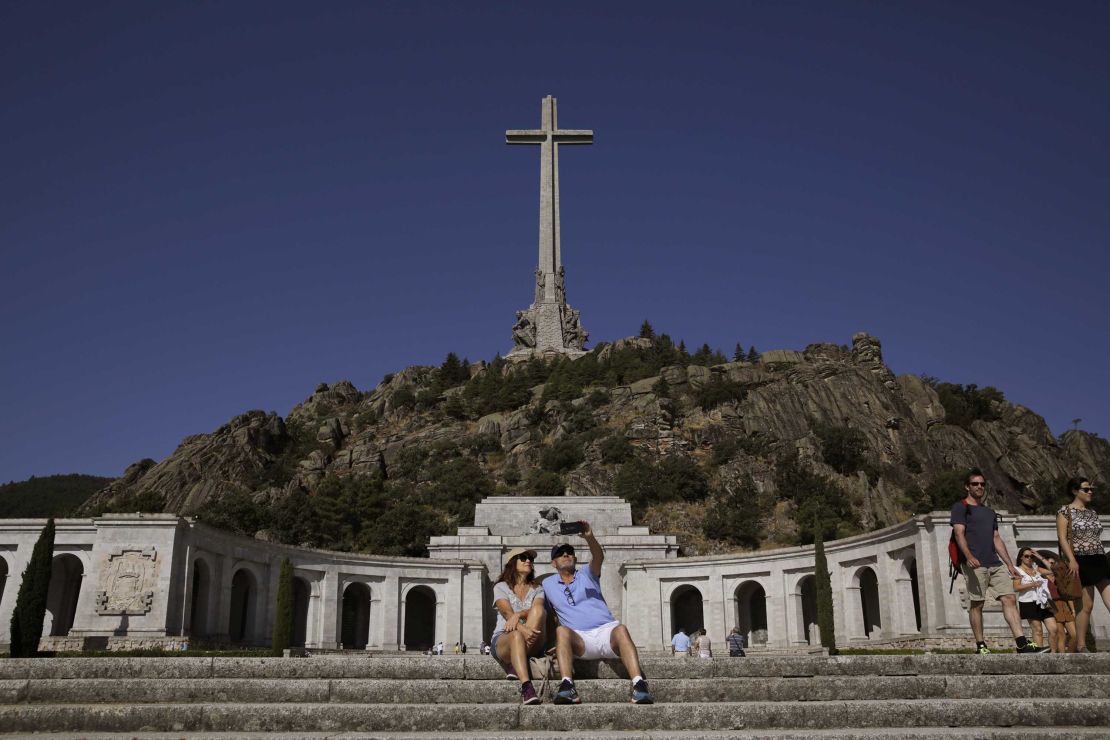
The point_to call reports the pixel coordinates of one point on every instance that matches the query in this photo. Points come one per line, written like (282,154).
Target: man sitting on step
(587,628)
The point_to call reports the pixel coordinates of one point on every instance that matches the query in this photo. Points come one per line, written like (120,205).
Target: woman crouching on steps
(520,620)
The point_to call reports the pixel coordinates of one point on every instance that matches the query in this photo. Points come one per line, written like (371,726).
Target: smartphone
(571,528)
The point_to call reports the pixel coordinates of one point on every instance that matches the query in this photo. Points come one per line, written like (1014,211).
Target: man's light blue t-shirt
(589,609)
(681,642)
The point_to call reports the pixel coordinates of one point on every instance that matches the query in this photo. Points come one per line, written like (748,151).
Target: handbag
(1067,584)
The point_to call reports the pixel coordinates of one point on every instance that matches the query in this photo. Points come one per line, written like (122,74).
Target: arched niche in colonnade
(915,592)
(302,594)
(199,622)
(866,585)
(686,609)
(244,606)
(751,612)
(3,578)
(420,619)
(355,630)
(66,574)
(807,606)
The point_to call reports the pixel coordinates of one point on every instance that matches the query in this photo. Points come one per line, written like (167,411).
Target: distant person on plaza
(702,644)
(1063,609)
(1080,533)
(680,643)
(519,632)
(587,628)
(975,527)
(735,643)
(1034,598)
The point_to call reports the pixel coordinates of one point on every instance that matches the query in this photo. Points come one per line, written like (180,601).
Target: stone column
(331,602)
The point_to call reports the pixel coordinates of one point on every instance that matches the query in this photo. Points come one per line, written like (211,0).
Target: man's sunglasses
(977,484)
(568,594)
(1086,489)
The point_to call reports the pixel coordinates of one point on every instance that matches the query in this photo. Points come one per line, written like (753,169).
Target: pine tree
(283,611)
(738,353)
(646,332)
(825,623)
(753,356)
(30,603)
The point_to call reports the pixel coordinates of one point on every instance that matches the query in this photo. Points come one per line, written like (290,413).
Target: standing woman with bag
(1080,533)
(1062,607)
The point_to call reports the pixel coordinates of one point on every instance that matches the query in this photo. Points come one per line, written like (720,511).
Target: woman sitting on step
(520,620)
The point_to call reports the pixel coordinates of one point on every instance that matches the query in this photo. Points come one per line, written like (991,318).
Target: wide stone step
(484,667)
(443,718)
(482,691)
(901,733)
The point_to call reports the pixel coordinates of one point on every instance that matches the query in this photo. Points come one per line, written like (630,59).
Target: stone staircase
(996,696)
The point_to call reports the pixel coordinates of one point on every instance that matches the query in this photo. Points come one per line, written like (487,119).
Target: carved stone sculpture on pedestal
(549,324)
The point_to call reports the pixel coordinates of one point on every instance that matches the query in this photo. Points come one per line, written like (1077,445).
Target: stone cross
(549,137)
(549,324)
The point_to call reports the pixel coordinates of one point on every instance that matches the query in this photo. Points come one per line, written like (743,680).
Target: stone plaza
(159,580)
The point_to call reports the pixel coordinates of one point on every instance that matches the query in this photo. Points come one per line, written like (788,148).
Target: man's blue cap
(560,549)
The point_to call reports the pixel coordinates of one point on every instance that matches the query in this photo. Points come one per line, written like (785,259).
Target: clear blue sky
(209,207)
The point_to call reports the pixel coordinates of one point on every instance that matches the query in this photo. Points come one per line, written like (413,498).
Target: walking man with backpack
(975,527)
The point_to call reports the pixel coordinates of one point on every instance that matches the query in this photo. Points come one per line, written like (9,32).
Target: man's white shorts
(597,642)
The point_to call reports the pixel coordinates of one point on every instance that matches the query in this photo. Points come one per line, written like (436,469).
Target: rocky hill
(728,454)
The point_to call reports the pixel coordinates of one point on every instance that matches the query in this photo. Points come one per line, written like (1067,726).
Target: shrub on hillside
(964,404)
(843,448)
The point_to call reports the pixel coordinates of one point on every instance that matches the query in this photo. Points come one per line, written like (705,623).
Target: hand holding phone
(571,528)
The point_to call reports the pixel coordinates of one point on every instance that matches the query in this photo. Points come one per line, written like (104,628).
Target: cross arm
(523,136)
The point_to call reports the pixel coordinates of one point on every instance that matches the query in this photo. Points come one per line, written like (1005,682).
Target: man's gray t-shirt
(981,523)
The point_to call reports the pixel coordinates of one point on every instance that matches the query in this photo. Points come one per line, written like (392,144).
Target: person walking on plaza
(702,645)
(680,643)
(1063,609)
(587,628)
(521,619)
(1034,598)
(987,568)
(1080,533)
(735,642)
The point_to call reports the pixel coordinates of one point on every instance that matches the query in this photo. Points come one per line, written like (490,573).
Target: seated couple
(587,629)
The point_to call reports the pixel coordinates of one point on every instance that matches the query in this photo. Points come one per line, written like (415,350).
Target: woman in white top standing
(1033,598)
(704,650)
(1080,533)
(520,620)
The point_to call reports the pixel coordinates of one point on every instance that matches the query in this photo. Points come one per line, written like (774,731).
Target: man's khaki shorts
(992,582)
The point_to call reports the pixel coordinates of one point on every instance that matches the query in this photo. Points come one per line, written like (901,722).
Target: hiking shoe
(640,693)
(567,694)
(1032,647)
(528,694)
(983,650)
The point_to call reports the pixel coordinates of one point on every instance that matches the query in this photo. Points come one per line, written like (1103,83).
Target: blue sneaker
(640,693)
(567,694)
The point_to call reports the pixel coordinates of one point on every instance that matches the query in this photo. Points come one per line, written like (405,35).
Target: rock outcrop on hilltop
(583,427)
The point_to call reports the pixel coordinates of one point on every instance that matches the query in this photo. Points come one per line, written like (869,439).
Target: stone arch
(199,622)
(687,610)
(3,578)
(751,612)
(355,630)
(915,591)
(867,586)
(807,609)
(66,574)
(420,619)
(244,606)
(302,597)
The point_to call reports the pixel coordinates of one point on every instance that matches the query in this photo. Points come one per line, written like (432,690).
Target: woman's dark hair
(1075,483)
(1024,550)
(508,573)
